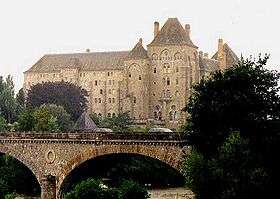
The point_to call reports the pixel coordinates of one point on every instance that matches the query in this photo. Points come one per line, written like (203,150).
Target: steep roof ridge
(172,33)
(138,51)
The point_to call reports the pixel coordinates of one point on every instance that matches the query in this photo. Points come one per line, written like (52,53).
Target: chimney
(206,55)
(200,53)
(188,29)
(220,47)
(221,55)
(156,28)
(140,41)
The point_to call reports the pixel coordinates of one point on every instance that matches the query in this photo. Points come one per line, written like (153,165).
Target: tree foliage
(71,97)
(15,177)
(8,105)
(119,123)
(234,130)
(244,99)
(92,188)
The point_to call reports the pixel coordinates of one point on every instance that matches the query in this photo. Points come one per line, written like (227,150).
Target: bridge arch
(169,155)
(24,161)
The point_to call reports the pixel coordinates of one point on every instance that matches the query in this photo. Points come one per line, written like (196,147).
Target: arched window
(113,114)
(178,56)
(154,56)
(165,55)
(109,114)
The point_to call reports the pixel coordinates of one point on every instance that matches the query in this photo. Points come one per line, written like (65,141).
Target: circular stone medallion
(50,156)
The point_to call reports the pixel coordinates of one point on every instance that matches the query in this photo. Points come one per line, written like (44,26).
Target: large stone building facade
(153,84)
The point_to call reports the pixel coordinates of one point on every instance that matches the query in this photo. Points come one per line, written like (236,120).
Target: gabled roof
(138,52)
(85,123)
(83,61)
(172,33)
(231,57)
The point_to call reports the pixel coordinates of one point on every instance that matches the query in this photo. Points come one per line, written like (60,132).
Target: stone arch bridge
(52,156)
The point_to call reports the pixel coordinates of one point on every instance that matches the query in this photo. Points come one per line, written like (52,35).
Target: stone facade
(52,157)
(153,84)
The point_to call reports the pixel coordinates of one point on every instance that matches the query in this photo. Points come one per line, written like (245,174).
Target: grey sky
(32,28)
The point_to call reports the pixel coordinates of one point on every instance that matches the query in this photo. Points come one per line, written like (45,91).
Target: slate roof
(208,64)
(172,33)
(85,123)
(138,52)
(83,61)
(230,55)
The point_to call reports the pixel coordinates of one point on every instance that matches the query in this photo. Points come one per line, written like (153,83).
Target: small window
(53,75)
(95,100)
(134,100)
(95,82)
(129,75)
(189,60)
(168,81)
(108,73)
(110,91)
(99,100)
(113,100)
(140,77)
(113,114)
(177,81)
(155,70)
(99,115)
(113,82)
(155,83)
(110,100)
(109,114)
(101,91)
(177,69)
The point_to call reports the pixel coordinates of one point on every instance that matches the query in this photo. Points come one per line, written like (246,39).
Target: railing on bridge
(94,136)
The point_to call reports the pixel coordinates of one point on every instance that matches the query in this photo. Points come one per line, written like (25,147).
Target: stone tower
(174,67)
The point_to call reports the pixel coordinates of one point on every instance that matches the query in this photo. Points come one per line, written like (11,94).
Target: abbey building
(153,83)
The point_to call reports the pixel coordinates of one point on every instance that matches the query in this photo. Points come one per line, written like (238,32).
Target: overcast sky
(32,28)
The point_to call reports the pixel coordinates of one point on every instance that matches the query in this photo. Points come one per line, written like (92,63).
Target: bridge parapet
(95,136)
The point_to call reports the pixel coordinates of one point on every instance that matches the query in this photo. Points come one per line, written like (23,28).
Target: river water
(171,193)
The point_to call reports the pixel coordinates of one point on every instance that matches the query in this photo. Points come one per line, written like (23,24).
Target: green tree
(119,123)
(132,190)
(26,121)
(44,120)
(243,99)
(8,106)
(91,188)
(16,177)
(3,124)
(63,118)
(71,97)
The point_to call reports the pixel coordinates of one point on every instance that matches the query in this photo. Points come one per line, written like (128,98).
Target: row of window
(99,100)
(110,82)
(108,74)
(108,115)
